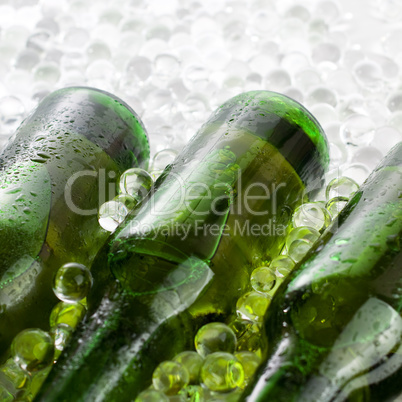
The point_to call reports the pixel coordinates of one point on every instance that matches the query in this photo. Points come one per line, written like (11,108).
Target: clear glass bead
(110,16)
(196,77)
(253,306)
(61,334)
(311,214)
(298,11)
(302,233)
(341,187)
(295,94)
(127,200)
(328,10)
(27,59)
(193,393)
(76,38)
(37,379)
(161,160)
(263,279)
(33,349)
(248,334)
(385,138)
(70,314)
(170,377)
(394,101)
(307,78)
(324,113)
(278,80)
(166,66)
(139,67)
(151,395)
(130,43)
(72,282)
(111,214)
(12,110)
(101,70)
(357,130)
(345,76)
(159,101)
(14,375)
(357,172)
(369,156)
(47,72)
(192,362)
(368,75)
(283,265)
(98,50)
(222,372)
(136,183)
(250,362)
(298,249)
(39,41)
(326,52)
(387,10)
(49,24)
(260,63)
(321,95)
(392,42)
(338,154)
(335,205)
(390,67)
(19,82)
(195,107)
(214,337)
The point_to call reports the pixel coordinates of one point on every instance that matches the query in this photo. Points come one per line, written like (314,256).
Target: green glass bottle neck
(350,278)
(98,116)
(285,124)
(364,231)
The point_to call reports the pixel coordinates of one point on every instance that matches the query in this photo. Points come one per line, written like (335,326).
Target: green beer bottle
(62,162)
(335,327)
(185,256)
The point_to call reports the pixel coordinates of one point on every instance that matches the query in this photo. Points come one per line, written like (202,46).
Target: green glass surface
(62,162)
(184,257)
(335,326)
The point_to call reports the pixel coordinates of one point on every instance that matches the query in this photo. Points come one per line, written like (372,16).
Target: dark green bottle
(335,327)
(185,256)
(60,165)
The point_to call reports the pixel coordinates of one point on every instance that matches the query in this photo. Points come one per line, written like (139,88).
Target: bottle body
(60,165)
(335,330)
(185,256)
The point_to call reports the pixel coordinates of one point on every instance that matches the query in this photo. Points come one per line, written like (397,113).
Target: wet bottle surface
(335,330)
(185,256)
(62,162)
